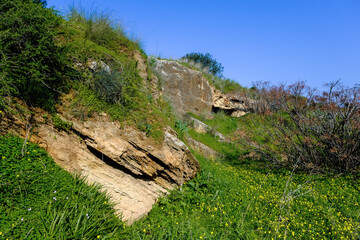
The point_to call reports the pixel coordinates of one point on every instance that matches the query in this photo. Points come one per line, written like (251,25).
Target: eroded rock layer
(133,170)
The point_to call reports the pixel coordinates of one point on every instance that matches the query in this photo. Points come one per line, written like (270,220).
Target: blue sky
(258,40)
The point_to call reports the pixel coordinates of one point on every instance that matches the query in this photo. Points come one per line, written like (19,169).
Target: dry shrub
(317,130)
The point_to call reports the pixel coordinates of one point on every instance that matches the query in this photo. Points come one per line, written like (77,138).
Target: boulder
(186,89)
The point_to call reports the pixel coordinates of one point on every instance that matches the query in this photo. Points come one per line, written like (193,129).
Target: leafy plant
(181,127)
(145,127)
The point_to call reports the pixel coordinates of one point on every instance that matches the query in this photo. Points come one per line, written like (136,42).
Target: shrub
(207,61)
(120,86)
(317,131)
(33,66)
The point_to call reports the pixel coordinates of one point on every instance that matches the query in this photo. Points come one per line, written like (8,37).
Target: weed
(181,128)
(145,127)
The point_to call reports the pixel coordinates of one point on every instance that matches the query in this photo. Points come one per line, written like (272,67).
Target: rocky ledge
(133,169)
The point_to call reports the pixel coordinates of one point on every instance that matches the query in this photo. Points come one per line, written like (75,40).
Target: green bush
(33,66)
(207,61)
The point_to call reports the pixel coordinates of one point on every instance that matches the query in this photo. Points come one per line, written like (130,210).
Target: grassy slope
(39,200)
(223,202)
(228,200)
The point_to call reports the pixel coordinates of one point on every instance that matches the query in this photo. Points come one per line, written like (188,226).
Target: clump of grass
(101,29)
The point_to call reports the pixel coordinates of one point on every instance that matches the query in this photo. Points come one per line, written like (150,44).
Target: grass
(39,200)
(226,202)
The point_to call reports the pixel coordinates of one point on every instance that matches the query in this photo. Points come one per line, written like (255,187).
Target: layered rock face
(131,168)
(186,89)
(231,104)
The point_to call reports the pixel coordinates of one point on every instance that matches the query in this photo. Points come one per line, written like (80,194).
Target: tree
(207,61)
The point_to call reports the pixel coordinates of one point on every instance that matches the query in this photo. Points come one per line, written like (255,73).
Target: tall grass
(100,28)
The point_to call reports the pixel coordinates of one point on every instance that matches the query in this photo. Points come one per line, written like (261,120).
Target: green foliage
(207,61)
(60,124)
(32,65)
(39,200)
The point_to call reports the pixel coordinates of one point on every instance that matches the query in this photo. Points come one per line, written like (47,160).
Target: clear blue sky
(255,40)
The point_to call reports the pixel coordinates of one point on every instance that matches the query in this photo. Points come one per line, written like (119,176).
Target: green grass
(223,202)
(226,202)
(39,200)
(223,123)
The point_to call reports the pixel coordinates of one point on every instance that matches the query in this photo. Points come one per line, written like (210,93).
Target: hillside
(100,141)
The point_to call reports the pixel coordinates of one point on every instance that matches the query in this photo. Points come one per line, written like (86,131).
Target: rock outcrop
(131,168)
(232,104)
(187,90)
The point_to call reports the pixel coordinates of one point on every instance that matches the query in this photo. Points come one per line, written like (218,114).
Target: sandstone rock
(141,64)
(186,89)
(231,104)
(131,168)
